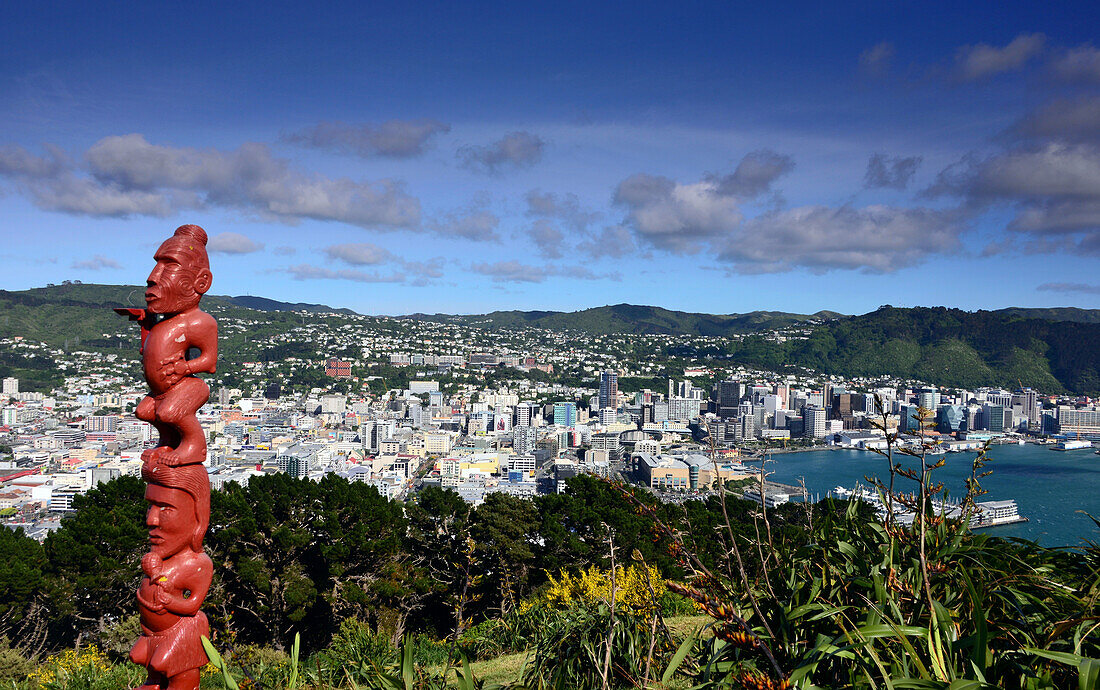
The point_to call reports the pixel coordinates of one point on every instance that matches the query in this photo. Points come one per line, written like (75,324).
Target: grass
(509,667)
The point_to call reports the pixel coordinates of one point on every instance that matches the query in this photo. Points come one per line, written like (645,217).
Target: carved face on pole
(182,274)
(171,520)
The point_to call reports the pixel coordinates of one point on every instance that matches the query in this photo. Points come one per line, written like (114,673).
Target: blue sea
(1049,487)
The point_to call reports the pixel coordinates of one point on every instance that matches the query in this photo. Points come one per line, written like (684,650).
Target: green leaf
(678,658)
(1088,669)
(293,682)
(218,661)
(873,631)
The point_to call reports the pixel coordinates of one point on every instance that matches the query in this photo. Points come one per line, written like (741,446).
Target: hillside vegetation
(631,318)
(957,348)
(1052,350)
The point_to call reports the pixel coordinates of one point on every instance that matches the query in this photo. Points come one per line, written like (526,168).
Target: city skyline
(429,158)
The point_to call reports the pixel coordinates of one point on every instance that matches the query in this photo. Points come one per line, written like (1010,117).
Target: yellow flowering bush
(632,592)
(85,669)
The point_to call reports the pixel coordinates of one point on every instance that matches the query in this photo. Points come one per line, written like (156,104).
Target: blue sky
(453,157)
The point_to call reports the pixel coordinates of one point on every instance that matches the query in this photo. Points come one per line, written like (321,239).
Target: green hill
(1054,350)
(1054,313)
(265,304)
(630,318)
(956,348)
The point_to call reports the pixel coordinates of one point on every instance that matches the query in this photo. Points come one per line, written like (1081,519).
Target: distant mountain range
(631,318)
(1055,350)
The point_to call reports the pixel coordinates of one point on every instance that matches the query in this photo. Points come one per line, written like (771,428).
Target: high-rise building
(565,414)
(729,397)
(993,417)
(950,418)
(101,423)
(1028,400)
(11,386)
(526,413)
(609,389)
(749,426)
(683,409)
(660,411)
(1074,422)
(813,421)
(928,398)
(524,439)
(909,421)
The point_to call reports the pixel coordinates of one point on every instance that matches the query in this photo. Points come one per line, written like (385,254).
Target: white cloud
(1066,120)
(875,61)
(96,263)
(547,238)
(982,60)
(614,241)
(474,222)
(366,254)
(516,272)
(359,254)
(877,239)
(1079,64)
(1070,287)
(233,243)
(563,207)
(126,175)
(311,272)
(754,175)
(515,150)
(393,139)
(891,173)
(676,217)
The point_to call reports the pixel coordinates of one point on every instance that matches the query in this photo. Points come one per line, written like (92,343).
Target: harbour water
(1049,487)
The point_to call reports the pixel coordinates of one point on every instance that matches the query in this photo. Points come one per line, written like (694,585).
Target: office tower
(950,418)
(729,397)
(683,409)
(565,413)
(909,421)
(813,421)
(683,389)
(1028,400)
(660,411)
(609,389)
(526,414)
(523,439)
(748,426)
(928,398)
(993,417)
(783,392)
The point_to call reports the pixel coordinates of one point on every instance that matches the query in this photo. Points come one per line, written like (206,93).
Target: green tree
(94,561)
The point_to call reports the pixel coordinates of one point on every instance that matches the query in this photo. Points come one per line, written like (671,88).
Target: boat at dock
(985,513)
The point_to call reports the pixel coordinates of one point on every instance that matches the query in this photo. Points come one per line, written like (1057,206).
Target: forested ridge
(948,347)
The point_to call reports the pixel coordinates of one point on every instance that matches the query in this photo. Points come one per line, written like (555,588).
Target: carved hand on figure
(151,565)
(174,368)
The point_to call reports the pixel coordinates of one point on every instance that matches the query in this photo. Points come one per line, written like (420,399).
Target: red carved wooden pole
(178,340)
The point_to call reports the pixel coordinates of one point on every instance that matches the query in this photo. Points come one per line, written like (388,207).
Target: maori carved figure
(178,340)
